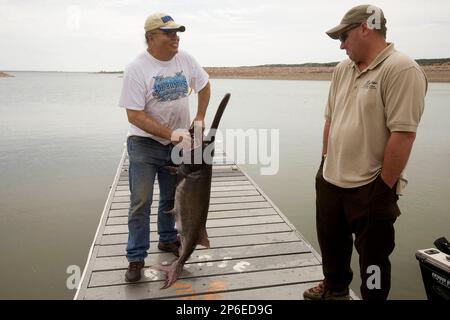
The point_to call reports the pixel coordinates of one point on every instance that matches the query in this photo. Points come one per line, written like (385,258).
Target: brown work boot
(321,292)
(170,247)
(133,273)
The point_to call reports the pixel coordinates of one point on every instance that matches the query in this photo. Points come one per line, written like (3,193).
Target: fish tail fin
(172,273)
(203,240)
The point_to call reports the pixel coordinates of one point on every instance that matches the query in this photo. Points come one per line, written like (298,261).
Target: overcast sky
(84,35)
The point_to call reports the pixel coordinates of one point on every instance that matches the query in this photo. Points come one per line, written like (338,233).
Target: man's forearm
(396,155)
(144,122)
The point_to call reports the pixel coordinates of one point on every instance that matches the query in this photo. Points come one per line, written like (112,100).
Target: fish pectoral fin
(203,240)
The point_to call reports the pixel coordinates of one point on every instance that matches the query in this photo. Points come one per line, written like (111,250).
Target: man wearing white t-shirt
(156,86)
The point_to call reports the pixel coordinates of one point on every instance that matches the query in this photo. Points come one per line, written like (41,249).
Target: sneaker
(321,292)
(170,247)
(133,273)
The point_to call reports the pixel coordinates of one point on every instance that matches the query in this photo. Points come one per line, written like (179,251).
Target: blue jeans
(147,158)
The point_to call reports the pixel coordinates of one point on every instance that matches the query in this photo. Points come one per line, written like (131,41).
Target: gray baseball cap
(373,15)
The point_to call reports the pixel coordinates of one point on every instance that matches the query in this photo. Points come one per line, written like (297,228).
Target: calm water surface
(62,134)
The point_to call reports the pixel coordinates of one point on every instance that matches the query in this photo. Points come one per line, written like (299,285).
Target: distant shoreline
(5,75)
(434,73)
(271,73)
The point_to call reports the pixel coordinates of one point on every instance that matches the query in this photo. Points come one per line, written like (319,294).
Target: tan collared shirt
(364,107)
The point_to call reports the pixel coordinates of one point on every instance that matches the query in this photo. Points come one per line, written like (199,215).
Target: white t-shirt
(161,88)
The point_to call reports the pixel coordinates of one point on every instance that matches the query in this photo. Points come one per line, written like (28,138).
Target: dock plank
(283,292)
(216,194)
(209,224)
(121,215)
(224,267)
(211,214)
(216,242)
(215,232)
(209,285)
(124,202)
(213,188)
(209,255)
(215,207)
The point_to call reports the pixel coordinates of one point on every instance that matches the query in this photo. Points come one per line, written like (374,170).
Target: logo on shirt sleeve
(170,88)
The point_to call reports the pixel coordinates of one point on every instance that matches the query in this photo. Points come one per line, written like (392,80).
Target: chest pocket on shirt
(368,98)
(170,88)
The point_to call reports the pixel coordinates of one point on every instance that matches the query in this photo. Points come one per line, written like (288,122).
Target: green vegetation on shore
(433,62)
(305,65)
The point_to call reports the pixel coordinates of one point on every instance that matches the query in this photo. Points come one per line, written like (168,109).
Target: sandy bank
(4,75)
(434,73)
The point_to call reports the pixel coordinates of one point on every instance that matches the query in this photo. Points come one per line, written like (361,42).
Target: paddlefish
(192,197)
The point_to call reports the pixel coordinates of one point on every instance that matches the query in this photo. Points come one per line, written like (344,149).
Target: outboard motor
(435,269)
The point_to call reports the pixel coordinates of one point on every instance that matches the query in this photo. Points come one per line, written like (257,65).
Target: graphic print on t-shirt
(170,88)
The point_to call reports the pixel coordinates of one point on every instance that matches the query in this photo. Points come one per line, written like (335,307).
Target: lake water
(61,138)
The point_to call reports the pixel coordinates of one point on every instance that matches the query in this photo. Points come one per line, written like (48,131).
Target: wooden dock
(255,253)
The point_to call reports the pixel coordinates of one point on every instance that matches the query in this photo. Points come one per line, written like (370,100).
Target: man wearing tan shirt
(375,103)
